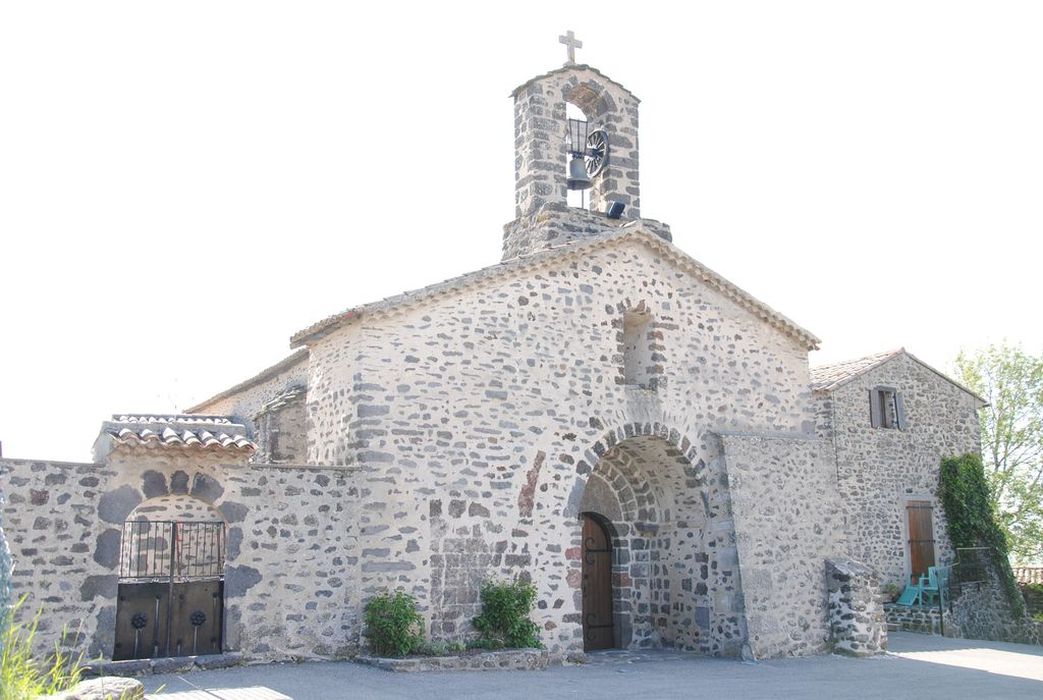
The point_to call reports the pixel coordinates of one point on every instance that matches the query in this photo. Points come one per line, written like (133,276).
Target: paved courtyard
(918,666)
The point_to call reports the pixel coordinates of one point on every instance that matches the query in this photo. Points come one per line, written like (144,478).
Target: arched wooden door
(597,585)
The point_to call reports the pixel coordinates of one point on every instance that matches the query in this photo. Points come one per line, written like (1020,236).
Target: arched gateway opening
(171,580)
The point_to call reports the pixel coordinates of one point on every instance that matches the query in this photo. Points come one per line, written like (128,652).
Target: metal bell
(578,178)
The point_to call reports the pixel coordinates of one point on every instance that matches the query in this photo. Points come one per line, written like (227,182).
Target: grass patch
(22,675)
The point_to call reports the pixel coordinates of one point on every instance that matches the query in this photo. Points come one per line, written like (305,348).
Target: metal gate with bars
(171,589)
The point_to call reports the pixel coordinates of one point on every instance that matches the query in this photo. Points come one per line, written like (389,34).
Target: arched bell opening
(170,599)
(577,178)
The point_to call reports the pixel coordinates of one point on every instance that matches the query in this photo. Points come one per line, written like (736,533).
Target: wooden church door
(597,586)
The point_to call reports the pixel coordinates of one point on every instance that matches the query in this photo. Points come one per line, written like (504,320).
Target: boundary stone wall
(290,572)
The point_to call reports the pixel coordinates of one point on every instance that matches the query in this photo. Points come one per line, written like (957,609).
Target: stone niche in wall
(282,429)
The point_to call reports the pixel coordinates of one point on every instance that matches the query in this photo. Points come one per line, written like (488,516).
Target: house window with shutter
(886,408)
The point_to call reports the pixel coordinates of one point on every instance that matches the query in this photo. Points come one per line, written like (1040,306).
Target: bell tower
(552,152)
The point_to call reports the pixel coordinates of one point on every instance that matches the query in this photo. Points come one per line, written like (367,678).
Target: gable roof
(833,376)
(631,231)
(262,376)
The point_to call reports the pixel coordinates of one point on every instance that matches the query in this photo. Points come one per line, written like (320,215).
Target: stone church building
(598,413)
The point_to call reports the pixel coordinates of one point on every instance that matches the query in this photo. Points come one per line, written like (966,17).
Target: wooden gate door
(171,590)
(597,586)
(921,537)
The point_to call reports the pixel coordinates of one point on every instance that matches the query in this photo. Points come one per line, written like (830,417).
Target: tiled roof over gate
(177,431)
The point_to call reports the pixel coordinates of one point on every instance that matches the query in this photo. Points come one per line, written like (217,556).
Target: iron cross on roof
(570,40)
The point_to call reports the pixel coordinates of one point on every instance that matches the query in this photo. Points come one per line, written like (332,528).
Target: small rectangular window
(886,408)
(637,351)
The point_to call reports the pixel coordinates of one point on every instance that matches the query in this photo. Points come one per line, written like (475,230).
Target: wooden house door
(921,537)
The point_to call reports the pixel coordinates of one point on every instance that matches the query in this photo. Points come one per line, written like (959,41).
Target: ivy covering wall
(964,493)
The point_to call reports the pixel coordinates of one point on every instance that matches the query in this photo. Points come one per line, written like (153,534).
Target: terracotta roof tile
(833,376)
(184,432)
(829,377)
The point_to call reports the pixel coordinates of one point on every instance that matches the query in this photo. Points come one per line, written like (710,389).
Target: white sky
(183,185)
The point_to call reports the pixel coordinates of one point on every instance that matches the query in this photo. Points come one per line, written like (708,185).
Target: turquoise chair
(932,586)
(911,595)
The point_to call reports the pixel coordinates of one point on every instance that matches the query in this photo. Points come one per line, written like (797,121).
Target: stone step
(892,627)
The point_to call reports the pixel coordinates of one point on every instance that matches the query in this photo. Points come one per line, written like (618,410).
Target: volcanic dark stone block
(179,483)
(234,543)
(107,548)
(153,484)
(233,512)
(98,586)
(239,579)
(206,488)
(115,506)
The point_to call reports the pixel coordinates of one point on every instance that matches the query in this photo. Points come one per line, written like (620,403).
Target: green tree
(1012,440)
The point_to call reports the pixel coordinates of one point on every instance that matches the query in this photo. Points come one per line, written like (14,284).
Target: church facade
(598,413)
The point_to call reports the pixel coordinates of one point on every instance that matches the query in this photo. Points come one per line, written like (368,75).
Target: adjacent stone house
(891,418)
(598,413)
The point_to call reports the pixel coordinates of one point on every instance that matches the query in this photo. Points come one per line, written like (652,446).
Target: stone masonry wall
(475,418)
(922,620)
(879,468)
(61,558)
(856,613)
(787,524)
(981,610)
(291,546)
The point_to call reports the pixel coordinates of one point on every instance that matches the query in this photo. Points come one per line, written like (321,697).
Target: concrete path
(919,666)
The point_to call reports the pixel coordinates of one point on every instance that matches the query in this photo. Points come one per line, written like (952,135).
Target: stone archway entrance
(598,627)
(673,572)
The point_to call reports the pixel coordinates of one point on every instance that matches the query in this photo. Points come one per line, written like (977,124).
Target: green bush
(22,675)
(504,622)
(484,644)
(393,625)
(964,492)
